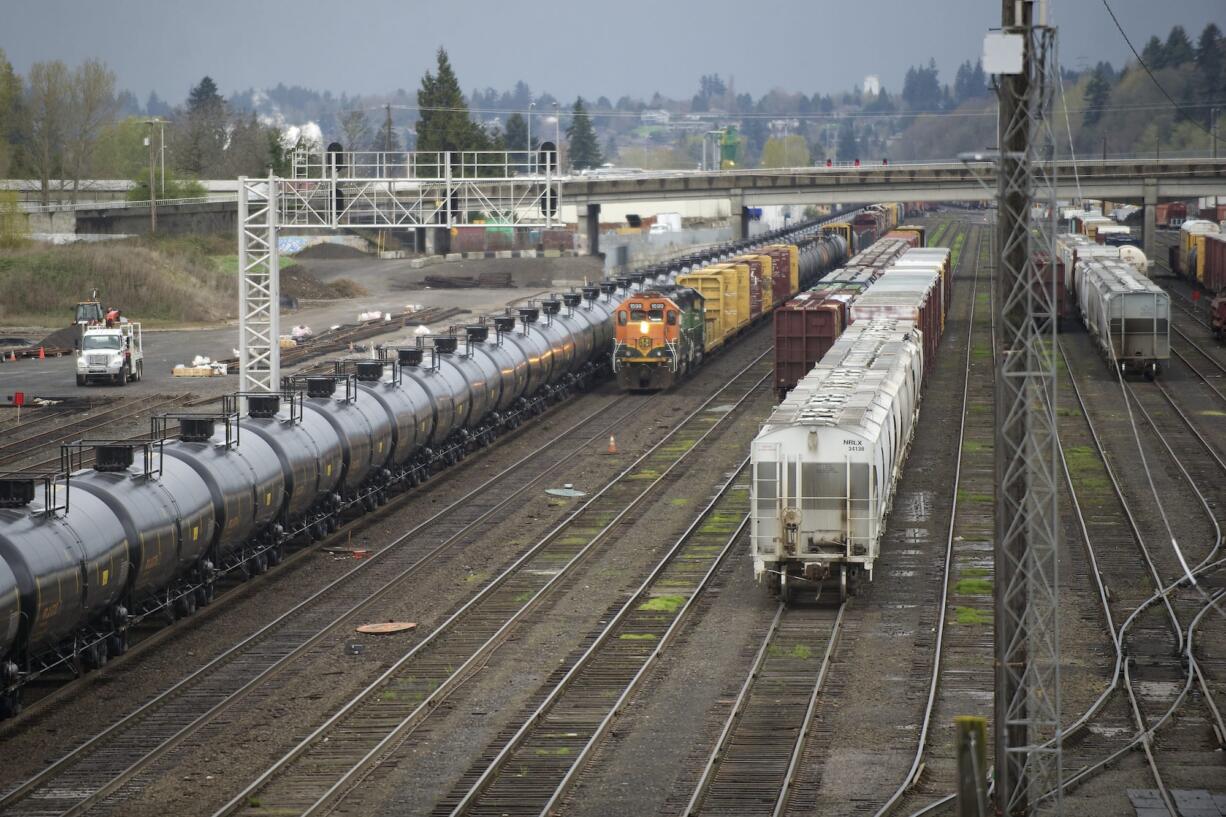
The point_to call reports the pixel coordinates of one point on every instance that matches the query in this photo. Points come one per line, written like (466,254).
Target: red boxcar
(781,272)
(1061,306)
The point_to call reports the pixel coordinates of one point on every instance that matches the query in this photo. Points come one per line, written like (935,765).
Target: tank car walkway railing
(337,754)
(109,760)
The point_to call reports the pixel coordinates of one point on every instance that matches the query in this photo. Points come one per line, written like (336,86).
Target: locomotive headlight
(643,327)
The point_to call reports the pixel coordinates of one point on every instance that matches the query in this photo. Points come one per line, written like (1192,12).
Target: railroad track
(753,766)
(529,769)
(1155,668)
(338,753)
(1147,630)
(967,560)
(19,446)
(115,758)
(897,622)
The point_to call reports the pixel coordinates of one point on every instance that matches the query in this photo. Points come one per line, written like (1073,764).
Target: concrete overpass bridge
(1138,181)
(1143,181)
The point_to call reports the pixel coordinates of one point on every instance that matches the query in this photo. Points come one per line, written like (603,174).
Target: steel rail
(917,761)
(47,774)
(460,673)
(644,588)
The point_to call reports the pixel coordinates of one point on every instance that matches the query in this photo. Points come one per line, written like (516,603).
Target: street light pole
(557,135)
(531,152)
(153,203)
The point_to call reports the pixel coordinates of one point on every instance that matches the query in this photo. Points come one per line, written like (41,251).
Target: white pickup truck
(111,354)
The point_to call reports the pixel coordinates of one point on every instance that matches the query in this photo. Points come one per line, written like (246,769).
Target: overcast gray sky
(567,48)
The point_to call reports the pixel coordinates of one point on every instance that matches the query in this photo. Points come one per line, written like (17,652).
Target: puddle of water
(1108,731)
(902,572)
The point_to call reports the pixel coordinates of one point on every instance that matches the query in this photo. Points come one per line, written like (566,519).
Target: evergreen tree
(849,146)
(1098,89)
(1210,65)
(444,123)
(201,133)
(1178,49)
(581,139)
(517,138)
(1153,54)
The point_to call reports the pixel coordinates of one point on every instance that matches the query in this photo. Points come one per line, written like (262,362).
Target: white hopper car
(1127,314)
(827,460)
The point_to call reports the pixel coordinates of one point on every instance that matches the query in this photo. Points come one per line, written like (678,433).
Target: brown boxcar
(1062,306)
(805,329)
(1214,267)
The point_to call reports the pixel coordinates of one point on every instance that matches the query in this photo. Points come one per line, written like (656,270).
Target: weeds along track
(338,753)
(531,765)
(110,762)
(883,675)
(754,764)
(1155,681)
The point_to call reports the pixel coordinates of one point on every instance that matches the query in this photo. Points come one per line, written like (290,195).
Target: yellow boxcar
(919,230)
(1192,247)
(710,285)
(737,310)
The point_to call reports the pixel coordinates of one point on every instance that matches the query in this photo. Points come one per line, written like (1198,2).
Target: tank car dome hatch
(369,371)
(409,357)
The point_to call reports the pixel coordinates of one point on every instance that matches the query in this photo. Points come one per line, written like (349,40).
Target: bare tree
(356,129)
(48,97)
(93,107)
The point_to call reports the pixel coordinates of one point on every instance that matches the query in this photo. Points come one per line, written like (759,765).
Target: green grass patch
(798,651)
(678,501)
(665,604)
(561,751)
(972,616)
(974,587)
(637,637)
(976,572)
(1213,413)
(975,447)
(975,496)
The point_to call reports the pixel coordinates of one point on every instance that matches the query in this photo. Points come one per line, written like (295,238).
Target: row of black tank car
(153,525)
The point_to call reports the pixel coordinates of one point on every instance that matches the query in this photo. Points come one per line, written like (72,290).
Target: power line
(1157,84)
(833,117)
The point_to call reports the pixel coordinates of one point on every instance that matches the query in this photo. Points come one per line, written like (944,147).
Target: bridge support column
(1149,189)
(592,226)
(738,214)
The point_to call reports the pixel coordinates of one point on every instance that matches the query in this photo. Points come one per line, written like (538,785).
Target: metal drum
(406,404)
(168,515)
(364,430)
(306,445)
(68,567)
(244,478)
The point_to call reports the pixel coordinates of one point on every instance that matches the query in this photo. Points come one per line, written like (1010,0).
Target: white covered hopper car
(827,460)
(1127,314)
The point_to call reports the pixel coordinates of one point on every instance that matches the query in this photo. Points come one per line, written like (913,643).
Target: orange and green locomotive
(659,337)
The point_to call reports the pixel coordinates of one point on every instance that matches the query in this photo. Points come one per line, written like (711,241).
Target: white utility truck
(110,353)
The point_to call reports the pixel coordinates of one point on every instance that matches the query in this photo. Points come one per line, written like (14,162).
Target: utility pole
(153,203)
(557,134)
(1027,700)
(1213,130)
(531,152)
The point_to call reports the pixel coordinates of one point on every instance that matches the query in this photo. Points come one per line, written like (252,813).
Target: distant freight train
(689,309)
(153,525)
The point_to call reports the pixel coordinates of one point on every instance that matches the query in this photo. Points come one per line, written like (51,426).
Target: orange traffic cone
(42,353)
(13,357)
(612,445)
